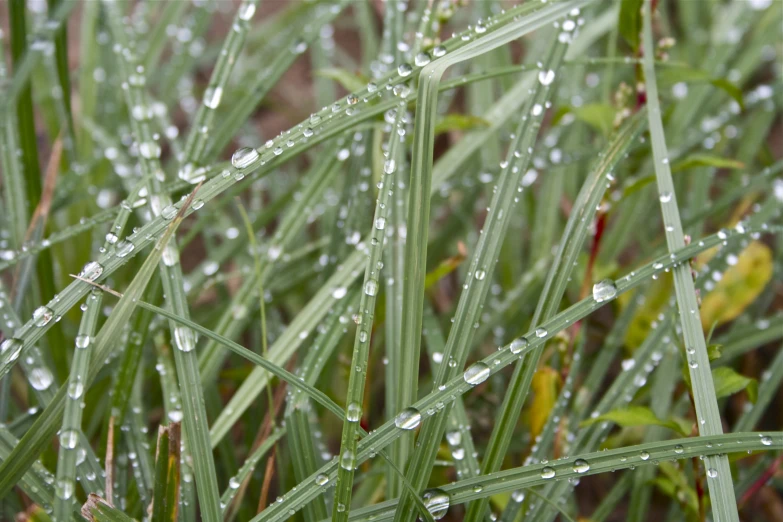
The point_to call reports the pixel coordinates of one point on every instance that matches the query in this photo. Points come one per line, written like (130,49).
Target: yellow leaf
(739,287)
(545,384)
(648,312)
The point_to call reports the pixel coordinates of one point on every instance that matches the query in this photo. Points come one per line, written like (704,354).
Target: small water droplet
(644,455)
(437,502)
(404,69)
(541,332)
(348,460)
(678,449)
(184,339)
(519,344)
(321,479)
(42,315)
(712,473)
(124,248)
(581,466)
(766,440)
(604,290)
(408,419)
(546,77)
(69,439)
(547,472)
(480,274)
(371,287)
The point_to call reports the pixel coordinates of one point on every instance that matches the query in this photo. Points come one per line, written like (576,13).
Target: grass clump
(390,261)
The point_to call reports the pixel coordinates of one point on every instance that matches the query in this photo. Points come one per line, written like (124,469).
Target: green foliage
(588,192)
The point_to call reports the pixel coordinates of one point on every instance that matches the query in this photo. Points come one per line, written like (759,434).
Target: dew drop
(184,339)
(678,449)
(40,378)
(371,287)
(712,473)
(519,344)
(480,275)
(604,290)
(437,502)
(348,460)
(69,439)
(321,479)
(353,412)
(644,455)
(243,157)
(476,374)
(546,77)
(124,248)
(404,69)
(766,440)
(42,315)
(91,271)
(547,472)
(541,332)
(581,466)
(408,419)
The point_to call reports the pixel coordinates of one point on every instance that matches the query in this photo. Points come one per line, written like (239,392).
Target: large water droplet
(437,502)
(517,345)
(678,449)
(184,339)
(476,374)
(124,248)
(604,290)
(91,271)
(766,440)
(42,315)
(40,378)
(353,412)
(408,419)
(422,59)
(712,473)
(547,472)
(69,439)
(541,332)
(75,389)
(546,77)
(10,349)
(64,489)
(348,460)
(581,466)
(404,69)
(212,97)
(243,157)
(321,479)
(233,483)
(371,287)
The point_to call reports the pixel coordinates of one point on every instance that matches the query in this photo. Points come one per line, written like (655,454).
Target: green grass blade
(709,420)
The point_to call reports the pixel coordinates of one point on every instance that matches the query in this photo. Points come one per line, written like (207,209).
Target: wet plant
(390,260)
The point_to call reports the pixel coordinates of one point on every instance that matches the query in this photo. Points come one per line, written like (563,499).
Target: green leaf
(462,122)
(636,416)
(630,22)
(728,382)
(350,81)
(600,116)
(706,160)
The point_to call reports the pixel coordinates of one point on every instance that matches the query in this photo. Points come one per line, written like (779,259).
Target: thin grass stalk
(200,128)
(708,417)
(598,462)
(371,287)
(386,433)
(416,251)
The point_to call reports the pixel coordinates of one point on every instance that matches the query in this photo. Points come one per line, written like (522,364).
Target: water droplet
(91,271)
(40,378)
(438,51)
(541,332)
(233,483)
(604,290)
(537,109)
(75,389)
(339,293)
(82,341)
(480,274)
(476,374)
(547,472)
(644,455)
(64,489)
(422,59)
(348,460)
(69,439)
(546,77)
(371,287)
(124,248)
(184,339)
(404,69)
(212,97)
(766,440)
(169,212)
(678,449)
(243,157)
(408,419)
(665,197)
(353,412)
(519,344)
(42,315)
(712,473)
(437,502)
(380,223)
(321,479)
(11,348)
(581,466)
(246,11)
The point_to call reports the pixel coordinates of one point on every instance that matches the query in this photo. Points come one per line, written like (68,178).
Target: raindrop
(547,472)
(437,502)
(712,473)
(82,341)
(64,489)
(404,69)
(408,419)
(665,197)
(246,11)
(480,274)
(380,223)
(322,479)
(546,77)
(438,51)
(604,290)
(124,248)
(581,466)
(371,287)
(12,347)
(75,390)
(422,59)
(339,293)
(644,455)
(91,271)
(42,315)
(766,440)
(233,483)
(169,212)
(353,412)
(40,378)
(212,97)
(348,460)
(541,332)
(243,157)
(184,339)
(678,449)
(476,374)
(517,345)
(69,439)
